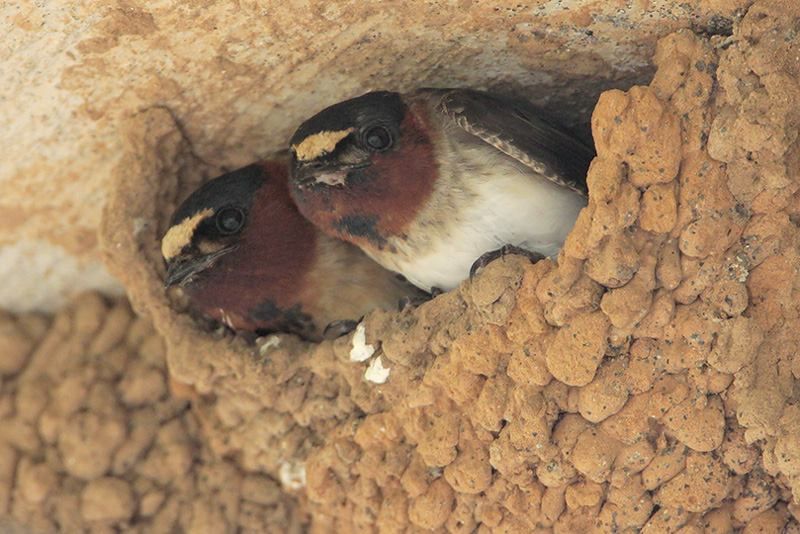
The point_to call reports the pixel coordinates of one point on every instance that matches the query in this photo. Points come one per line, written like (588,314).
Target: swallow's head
(339,145)
(209,224)
(240,249)
(362,168)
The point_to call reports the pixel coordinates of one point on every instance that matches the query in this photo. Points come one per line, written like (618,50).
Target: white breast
(508,206)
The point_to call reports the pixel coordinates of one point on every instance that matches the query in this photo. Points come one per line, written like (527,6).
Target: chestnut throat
(261,280)
(386,198)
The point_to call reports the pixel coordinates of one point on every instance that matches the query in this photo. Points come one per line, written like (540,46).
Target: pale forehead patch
(181,234)
(318,144)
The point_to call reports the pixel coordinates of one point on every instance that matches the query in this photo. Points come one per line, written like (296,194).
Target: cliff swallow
(428,182)
(246,257)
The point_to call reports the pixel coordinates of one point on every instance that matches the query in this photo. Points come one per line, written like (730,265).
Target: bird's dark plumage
(377,106)
(519,130)
(234,188)
(245,256)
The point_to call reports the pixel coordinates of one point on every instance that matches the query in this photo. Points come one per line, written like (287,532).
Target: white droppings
(293,475)
(376,372)
(361,352)
(140,224)
(226,319)
(267,343)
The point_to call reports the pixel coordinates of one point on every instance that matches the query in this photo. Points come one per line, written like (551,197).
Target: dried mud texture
(91,439)
(644,382)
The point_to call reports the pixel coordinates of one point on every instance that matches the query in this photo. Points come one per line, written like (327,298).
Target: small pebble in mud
(266,344)
(293,475)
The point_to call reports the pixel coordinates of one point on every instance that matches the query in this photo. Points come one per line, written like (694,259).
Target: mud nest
(91,439)
(644,381)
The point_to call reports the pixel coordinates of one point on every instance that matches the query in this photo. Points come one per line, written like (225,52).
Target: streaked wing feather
(519,130)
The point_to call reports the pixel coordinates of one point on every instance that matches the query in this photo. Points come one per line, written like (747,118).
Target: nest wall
(95,437)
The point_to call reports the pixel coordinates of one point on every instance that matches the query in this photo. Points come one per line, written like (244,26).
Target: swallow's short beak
(181,270)
(308,173)
(305,173)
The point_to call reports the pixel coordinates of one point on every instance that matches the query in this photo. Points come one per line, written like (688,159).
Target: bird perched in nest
(428,182)
(246,257)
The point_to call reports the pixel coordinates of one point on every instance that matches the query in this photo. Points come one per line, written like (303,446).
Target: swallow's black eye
(229,220)
(377,138)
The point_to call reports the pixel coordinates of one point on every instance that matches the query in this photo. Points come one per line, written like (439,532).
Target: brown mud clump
(646,381)
(94,438)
